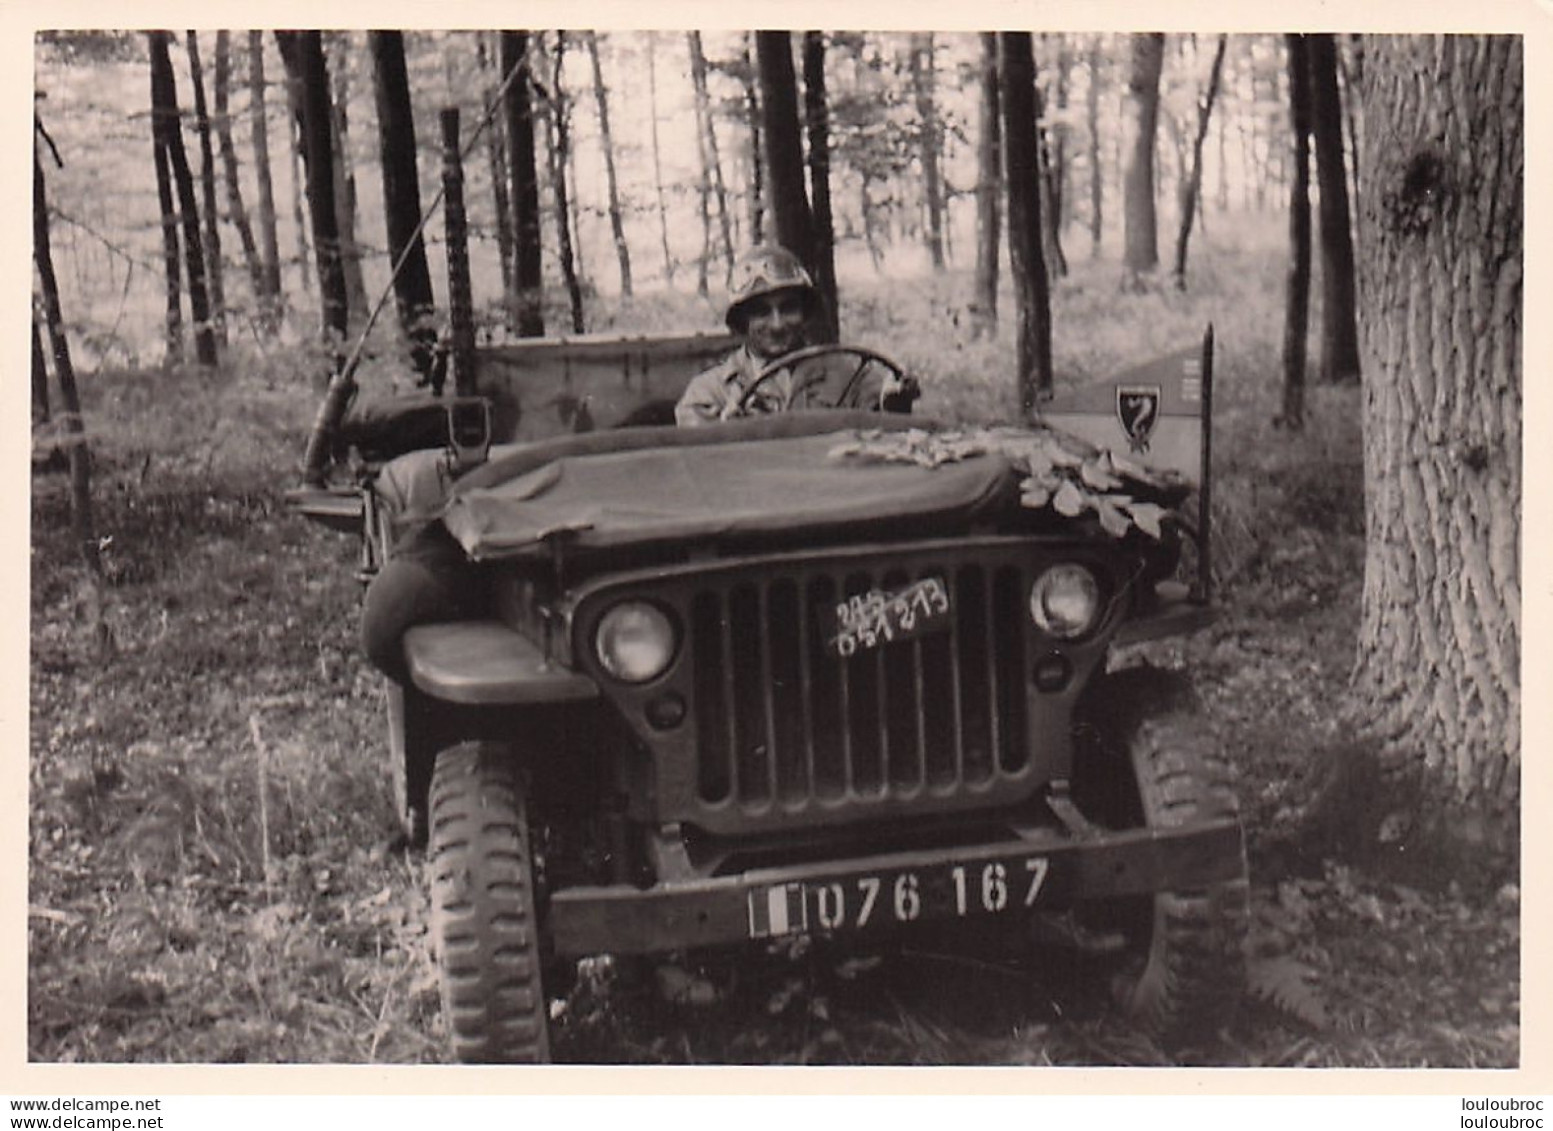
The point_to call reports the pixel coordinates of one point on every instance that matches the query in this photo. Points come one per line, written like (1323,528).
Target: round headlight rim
(1096,589)
(672,635)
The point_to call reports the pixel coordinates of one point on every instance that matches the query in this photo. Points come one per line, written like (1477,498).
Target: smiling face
(774,323)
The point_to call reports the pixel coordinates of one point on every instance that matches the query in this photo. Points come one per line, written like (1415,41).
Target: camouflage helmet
(765,270)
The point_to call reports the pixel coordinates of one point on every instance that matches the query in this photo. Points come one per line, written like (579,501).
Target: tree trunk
(1339,317)
(164,116)
(1096,176)
(784,144)
(817,122)
(757,191)
(1441,266)
(337,60)
(657,156)
(711,159)
(461,315)
(1142,125)
(80,456)
(41,410)
(558,128)
(1296,324)
(616,222)
(296,135)
(496,154)
(211,233)
(269,236)
(1027,266)
(923,92)
(402,198)
(303,53)
(234,188)
(1051,198)
(173,271)
(989,183)
(704,184)
(1191,185)
(518,114)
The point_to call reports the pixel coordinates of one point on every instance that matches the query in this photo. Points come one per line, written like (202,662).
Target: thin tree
(298,141)
(165,123)
(171,252)
(1437,681)
(1092,116)
(496,154)
(606,143)
(757,149)
(817,125)
(924,92)
(1190,189)
(518,117)
(1051,193)
(1296,324)
(712,165)
(81,522)
(338,61)
(402,198)
(1141,253)
(269,238)
(1016,73)
(657,155)
(989,185)
(784,143)
(211,232)
(303,54)
(234,189)
(558,128)
(41,409)
(1339,317)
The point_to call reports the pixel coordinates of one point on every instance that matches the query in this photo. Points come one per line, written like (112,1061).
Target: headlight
(1065,601)
(635,641)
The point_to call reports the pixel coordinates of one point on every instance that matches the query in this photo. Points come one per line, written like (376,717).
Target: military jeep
(817,672)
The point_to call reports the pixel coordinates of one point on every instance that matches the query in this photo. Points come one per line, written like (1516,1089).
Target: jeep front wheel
(1182,973)
(484,915)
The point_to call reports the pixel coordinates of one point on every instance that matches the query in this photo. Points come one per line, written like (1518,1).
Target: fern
(1289,986)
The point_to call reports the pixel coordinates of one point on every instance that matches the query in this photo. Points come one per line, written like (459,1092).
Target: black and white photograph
(900,547)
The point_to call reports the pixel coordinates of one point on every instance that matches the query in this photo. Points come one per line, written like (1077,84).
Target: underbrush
(212,877)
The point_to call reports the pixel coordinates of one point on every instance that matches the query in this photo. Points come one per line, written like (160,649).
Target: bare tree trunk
(269,240)
(1096,178)
(616,222)
(817,122)
(989,183)
(80,455)
(1051,196)
(784,143)
(41,410)
(164,116)
(1339,317)
(345,176)
(461,314)
(1142,238)
(496,154)
(297,137)
(211,233)
(1296,326)
(923,84)
(657,156)
(1191,185)
(1438,675)
(557,127)
(303,54)
(173,271)
(234,188)
(711,158)
(1016,73)
(518,114)
(402,198)
(757,192)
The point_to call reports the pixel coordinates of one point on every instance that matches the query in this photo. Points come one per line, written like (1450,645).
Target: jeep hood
(719,483)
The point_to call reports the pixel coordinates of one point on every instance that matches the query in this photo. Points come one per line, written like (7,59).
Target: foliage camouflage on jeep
(815,672)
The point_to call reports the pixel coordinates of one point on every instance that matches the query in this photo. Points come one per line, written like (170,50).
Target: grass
(211,878)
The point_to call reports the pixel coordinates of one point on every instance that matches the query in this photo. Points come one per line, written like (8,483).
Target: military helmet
(764,270)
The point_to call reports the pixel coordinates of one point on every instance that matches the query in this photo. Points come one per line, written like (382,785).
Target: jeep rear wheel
(484,916)
(1182,973)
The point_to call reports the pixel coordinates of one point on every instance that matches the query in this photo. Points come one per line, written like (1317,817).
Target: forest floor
(212,871)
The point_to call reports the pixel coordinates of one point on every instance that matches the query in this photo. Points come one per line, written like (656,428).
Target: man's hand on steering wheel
(897,379)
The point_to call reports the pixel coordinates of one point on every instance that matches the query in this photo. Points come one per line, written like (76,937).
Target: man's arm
(704,399)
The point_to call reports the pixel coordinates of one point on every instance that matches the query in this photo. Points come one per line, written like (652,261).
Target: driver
(771,301)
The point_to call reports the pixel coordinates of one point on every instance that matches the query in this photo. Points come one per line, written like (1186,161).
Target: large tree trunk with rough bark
(1027,265)
(165,122)
(1339,316)
(989,184)
(518,115)
(784,143)
(402,198)
(1142,122)
(1296,318)
(1441,264)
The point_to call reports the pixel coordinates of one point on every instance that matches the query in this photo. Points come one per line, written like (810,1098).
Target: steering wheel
(822,375)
